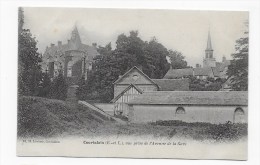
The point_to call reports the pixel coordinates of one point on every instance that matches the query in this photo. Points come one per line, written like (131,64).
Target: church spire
(209,50)
(209,45)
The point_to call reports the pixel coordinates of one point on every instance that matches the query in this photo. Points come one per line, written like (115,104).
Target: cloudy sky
(184,31)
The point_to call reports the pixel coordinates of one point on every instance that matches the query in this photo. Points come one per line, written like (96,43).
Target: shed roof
(193,98)
(172,84)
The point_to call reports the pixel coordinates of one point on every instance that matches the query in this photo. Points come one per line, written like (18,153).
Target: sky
(184,31)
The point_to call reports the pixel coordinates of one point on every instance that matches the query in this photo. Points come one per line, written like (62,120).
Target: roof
(172,84)
(224,98)
(130,81)
(206,71)
(126,89)
(74,44)
(178,73)
(209,45)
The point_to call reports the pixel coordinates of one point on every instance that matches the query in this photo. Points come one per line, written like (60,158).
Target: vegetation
(210,84)
(29,69)
(42,117)
(31,80)
(238,70)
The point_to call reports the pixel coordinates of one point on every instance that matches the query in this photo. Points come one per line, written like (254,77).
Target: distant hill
(41,117)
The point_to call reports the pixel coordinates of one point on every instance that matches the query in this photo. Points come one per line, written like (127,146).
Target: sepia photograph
(132,83)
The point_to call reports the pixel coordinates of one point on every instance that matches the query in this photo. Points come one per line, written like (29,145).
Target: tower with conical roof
(209,60)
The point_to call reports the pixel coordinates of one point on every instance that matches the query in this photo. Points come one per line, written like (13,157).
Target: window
(239,115)
(239,111)
(135,77)
(180,110)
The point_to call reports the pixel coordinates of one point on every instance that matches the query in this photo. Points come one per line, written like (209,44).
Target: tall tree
(29,69)
(156,64)
(238,70)
(177,60)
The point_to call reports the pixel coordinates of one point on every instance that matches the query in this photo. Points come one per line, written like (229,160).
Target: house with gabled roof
(135,82)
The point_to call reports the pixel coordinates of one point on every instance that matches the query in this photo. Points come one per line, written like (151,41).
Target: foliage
(177,60)
(59,87)
(29,69)
(217,132)
(45,85)
(210,84)
(238,70)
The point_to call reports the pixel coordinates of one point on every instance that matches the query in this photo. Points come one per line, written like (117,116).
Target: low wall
(210,114)
(106,107)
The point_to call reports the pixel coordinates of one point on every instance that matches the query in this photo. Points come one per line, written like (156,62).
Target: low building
(189,106)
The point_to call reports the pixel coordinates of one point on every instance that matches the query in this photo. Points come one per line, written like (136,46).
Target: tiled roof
(207,71)
(172,84)
(178,73)
(193,98)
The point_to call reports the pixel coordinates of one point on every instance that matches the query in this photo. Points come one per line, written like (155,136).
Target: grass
(41,117)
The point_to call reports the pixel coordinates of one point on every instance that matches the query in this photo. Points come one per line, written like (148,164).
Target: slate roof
(74,44)
(178,73)
(224,98)
(172,84)
(60,50)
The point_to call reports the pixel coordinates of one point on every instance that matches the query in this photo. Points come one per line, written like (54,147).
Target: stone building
(74,58)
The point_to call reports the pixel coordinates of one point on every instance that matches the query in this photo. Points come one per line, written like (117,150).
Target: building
(211,68)
(74,59)
(134,82)
(189,106)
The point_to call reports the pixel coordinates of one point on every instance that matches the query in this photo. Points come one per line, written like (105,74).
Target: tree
(29,69)
(155,64)
(45,85)
(238,69)
(59,87)
(177,60)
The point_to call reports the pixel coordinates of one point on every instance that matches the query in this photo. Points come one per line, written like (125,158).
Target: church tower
(209,60)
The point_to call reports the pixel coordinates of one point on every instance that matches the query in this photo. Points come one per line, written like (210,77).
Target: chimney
(59,43)
(52,44)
